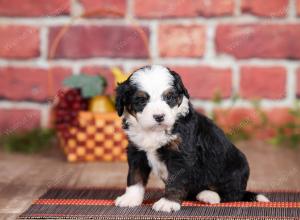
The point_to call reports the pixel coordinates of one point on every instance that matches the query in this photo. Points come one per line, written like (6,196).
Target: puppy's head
(154,96)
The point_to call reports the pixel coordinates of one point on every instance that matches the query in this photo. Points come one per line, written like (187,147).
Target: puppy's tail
(251,197)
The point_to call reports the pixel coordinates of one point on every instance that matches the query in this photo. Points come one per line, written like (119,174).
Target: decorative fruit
(70,102)
(89,86)
(101,104)
(119,75)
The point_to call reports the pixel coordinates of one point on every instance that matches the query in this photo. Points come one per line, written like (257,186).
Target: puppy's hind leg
(251,196)
(232,195)
(208,196)
(241,195)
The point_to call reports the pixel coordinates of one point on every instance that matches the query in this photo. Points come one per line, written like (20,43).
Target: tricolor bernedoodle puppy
(184,148)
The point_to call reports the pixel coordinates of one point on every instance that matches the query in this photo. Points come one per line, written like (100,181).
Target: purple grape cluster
(70,102)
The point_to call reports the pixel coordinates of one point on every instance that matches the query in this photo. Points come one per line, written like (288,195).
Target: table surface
(23,178)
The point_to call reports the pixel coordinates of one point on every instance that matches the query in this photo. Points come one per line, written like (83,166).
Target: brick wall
(245,47)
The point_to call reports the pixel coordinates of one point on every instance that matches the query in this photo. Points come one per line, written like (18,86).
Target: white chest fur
(149,140)
(158,167)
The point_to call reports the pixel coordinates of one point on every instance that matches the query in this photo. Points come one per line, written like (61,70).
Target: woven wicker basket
(96,137)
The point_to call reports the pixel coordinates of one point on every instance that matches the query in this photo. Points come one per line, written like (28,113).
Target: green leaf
(90,85)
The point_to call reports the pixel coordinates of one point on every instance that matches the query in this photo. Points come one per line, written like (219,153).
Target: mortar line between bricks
(292,13)
(245,18)
(129,10)
(205,105)
(76,68)
(153,44)
(44,43)
(209,106)
(226,61)
(237,9)
(76,8)
(235,80)
(291,84)
(126,67)
(45,114)
(224,103)
(192,62)
(62,20)
(22,104)
(210,34)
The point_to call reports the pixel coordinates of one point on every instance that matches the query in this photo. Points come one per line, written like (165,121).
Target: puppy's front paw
(127,200)
(166,205)
(133,196)
(208,196)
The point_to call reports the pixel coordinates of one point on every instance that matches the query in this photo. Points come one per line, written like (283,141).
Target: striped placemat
(98,203)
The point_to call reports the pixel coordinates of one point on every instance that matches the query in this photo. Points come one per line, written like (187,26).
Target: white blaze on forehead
(153,80)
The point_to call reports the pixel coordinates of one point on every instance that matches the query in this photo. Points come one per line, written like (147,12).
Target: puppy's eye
(170,96)
(140,99)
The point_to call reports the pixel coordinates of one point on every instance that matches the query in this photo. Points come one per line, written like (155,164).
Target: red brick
(104,8)
(279,116)
(32,84)
(34,8)
(298,83)
(181,41)
(252,121)
(275,118)
(103,71)
(298,7)
(237,119)
(263,82)
(19,42)
(205,82)
(12,120)
(94,41)
(182,8)
(275,8)
(261,41)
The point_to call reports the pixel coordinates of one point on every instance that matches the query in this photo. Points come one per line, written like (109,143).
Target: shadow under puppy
(184,148)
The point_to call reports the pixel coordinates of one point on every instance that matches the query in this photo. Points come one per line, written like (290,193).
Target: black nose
(159,118)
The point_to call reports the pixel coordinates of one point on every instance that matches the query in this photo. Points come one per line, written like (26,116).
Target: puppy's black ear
(121,97)
(179,84)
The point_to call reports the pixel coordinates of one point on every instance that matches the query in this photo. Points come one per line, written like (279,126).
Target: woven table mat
(98,203)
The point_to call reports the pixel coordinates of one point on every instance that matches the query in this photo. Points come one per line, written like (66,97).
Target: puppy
(184,148)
